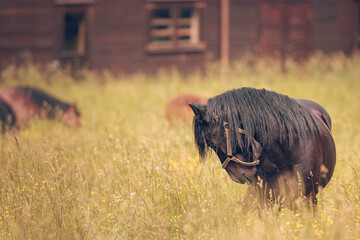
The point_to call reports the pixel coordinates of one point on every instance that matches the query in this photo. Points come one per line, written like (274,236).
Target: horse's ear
(258,148)
(199,110)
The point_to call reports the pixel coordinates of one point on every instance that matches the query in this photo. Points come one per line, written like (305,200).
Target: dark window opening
(74,33)
(184,37)
(166,38)
(162,13)
(186,13)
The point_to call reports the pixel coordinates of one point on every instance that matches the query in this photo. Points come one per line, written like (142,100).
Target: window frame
(175,45)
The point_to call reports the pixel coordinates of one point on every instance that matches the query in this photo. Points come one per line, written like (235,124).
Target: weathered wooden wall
(118,35)
(335,23)
(26,26)
(117,31)
(244,27)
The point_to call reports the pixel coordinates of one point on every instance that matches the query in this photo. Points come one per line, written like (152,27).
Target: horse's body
(178,110)
(28,102)
(7,116)
(282,145)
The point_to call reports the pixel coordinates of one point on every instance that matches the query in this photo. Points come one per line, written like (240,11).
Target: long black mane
(266,116)
(44,100)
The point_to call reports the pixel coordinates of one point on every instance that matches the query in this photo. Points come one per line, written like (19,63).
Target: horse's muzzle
(242,176)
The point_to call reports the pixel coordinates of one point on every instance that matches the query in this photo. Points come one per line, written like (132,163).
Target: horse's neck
(275,157)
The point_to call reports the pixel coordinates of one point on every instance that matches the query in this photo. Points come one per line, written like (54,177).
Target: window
(175,27)
(74,34)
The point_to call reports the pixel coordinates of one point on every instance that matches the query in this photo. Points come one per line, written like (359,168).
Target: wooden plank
(184,21)
(183,32)
(23,40)
(162,33)
(161,22)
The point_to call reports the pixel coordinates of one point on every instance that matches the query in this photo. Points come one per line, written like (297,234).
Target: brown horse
(178,110)
(282,146)
(7,116)
(28,102)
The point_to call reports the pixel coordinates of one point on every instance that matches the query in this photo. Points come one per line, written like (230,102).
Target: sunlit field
(129,174)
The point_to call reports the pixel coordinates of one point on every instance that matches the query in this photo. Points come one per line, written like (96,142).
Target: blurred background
(145,35)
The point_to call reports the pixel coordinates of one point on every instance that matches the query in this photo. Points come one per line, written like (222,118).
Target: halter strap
(230,157)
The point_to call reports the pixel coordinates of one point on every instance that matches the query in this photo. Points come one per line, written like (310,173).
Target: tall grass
(128,174)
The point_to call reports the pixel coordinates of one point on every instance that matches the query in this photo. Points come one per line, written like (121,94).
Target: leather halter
(230,157)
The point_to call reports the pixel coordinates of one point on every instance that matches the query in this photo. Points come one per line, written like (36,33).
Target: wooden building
(144,35)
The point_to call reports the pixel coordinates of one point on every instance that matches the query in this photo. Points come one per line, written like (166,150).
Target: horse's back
(40,97)
(317,110)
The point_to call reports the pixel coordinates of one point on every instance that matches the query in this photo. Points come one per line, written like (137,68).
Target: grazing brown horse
(7,116)
(178,110)
(28,102)
(283,147)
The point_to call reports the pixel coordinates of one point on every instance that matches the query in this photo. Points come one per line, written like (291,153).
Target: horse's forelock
(228,109)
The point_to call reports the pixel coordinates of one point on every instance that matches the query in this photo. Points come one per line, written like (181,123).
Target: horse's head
(212,133)
(72,116)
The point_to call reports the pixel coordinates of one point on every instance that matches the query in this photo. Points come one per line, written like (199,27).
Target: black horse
(7,116)
(283,146)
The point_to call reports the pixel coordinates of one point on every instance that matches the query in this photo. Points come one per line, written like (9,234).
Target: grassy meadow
(129,174)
